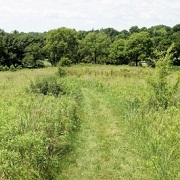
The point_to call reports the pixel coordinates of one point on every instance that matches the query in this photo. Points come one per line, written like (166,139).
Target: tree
(124,34)
(117,52)
(28,60)
(134,29)
(139,47)
(160,30)
(94,47)
(110,32)
(2,48)
(176,39)
(176,28)
(60,43)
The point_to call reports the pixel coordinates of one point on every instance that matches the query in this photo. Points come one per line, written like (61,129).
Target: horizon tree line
(104,46)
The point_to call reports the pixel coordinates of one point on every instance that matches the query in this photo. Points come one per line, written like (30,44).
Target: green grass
(35,129)
(103,127)
(145,144)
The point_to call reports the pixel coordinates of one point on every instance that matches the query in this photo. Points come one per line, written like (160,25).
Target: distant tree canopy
(104,46)
(62,42)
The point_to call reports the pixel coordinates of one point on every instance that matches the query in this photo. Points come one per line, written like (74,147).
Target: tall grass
(35,129)
(149,109)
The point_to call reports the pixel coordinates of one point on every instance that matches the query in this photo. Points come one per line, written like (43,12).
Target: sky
(44,15)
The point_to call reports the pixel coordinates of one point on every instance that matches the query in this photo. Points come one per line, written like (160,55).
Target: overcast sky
(43,15)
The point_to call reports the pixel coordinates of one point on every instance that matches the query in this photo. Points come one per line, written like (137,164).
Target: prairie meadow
(90,122)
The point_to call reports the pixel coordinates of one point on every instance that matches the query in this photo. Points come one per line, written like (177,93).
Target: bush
(47,86)
(61,72)
(40,64)
(132,63)
(19,67)
(47,64)
(5,68)
(1,68)
(28,61)
(64,61)
(164,90)
(12,68)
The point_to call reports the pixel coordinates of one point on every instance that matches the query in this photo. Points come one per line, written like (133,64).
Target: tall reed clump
(36,130)
(156,125)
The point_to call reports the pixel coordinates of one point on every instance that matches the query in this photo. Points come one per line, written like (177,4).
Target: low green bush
(36,131)
(5,68)
(12,68)
(64,61)
(1,68)
(47,86)
(40,63)
(61,71)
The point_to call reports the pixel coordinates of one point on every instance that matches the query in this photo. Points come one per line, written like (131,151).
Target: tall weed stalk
(161,84)
(156,127)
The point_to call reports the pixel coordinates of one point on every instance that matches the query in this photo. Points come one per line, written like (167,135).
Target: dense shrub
(47,86)
(61,71)
(5,68)
(12,68)
(47,63)
(164,90)
(1,68)
(36,131)
(64,61)
(40,63)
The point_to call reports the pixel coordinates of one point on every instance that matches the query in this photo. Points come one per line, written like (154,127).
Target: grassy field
(105,124)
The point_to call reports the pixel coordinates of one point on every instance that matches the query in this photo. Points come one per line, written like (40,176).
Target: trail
(101,150)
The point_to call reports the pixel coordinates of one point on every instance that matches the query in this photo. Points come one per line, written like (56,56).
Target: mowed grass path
(101,149)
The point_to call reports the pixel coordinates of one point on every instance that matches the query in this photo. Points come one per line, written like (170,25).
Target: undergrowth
(37,126)
(36,130)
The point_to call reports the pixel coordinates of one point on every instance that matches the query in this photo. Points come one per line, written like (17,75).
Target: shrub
(47,86)
(61,72)
(132,63)
(47,64)
(28,61)
(64,61)
(12,68)
(40,63)
(1,68)
(19,67)
(160,83)
(5,68)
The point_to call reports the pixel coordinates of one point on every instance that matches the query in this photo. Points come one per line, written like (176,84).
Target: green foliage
(47,63)
(164,90)
(12,68)
(47,86)
(40,63)
(28,60)
(117,52)
(134,29)
(94,48)
(61,71)
(111,32)
(36,131)
(151,133)
(139,47)
(5,68)
(61,42)
(1,68)
(64,61)
(119,128)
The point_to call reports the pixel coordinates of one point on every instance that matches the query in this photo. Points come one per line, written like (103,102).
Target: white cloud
(42,15)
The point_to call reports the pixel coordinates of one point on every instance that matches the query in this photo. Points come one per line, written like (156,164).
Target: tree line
(104,46)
